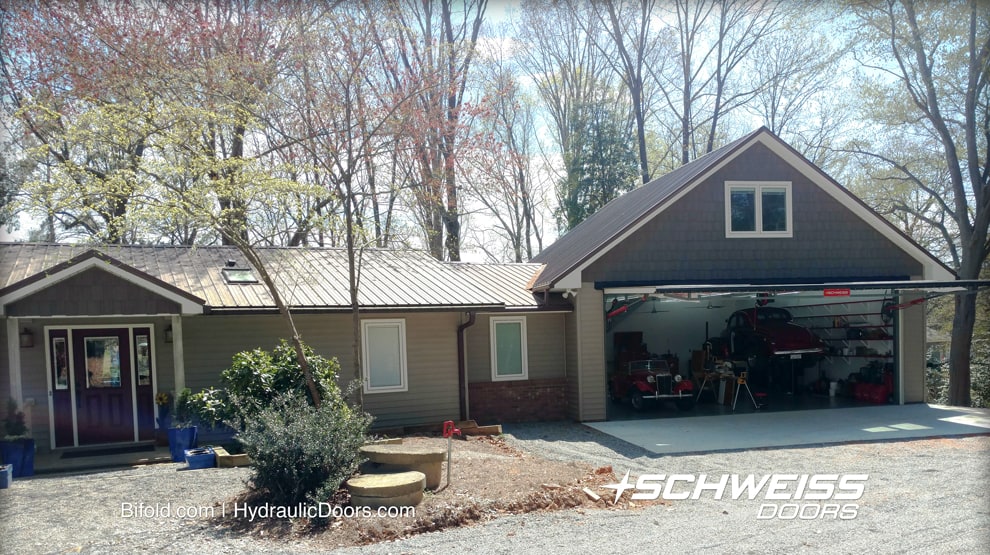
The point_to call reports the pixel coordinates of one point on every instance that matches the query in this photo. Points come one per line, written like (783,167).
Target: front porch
(62,460)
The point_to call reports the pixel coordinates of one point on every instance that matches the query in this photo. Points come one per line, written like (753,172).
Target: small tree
(301,451)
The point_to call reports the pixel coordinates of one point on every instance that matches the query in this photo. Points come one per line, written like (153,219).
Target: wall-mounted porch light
(168,334)
(27,339)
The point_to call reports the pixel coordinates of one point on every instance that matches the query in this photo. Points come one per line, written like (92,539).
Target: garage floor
(774,402)
(753,430)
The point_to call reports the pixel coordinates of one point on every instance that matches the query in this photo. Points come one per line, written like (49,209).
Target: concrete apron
(807,428)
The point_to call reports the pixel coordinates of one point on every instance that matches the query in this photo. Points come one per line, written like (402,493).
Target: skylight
(238,275)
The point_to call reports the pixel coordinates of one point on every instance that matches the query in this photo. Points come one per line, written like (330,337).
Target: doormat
(104,451)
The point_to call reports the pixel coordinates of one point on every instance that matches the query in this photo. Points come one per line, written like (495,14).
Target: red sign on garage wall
(837,292)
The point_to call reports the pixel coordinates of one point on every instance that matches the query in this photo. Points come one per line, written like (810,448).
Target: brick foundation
(518,401)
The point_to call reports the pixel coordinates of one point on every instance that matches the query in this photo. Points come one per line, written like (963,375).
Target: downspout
(462,381)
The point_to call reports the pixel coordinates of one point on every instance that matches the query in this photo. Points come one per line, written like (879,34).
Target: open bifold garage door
(677,350)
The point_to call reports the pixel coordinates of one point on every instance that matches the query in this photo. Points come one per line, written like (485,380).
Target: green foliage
(255,378)
(601,164)
(980,361)
(301,453)
(209,407)
(185,412)
(14,426)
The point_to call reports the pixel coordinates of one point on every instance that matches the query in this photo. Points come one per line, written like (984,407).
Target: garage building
(754,227)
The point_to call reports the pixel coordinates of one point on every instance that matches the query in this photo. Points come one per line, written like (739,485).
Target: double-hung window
(509,356)
(383,344)
(758,209)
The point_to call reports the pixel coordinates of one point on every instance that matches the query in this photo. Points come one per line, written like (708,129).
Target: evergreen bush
(301,453)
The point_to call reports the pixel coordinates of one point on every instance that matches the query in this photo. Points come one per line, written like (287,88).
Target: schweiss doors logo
(794,496)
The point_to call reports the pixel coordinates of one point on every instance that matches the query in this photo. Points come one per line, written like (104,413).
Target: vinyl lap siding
(431,355)
(34,385)
(544,342)
(912,362)
(591,329)
(573,368)
(431,343)
(4,366)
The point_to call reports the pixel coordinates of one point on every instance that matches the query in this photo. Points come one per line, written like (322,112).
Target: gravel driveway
(925,495)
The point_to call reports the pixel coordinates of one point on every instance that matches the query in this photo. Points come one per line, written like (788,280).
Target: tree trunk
(959,353)
(284,310)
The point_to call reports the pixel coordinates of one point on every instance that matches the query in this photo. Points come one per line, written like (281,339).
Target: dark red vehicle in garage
(763,333)
(651,380)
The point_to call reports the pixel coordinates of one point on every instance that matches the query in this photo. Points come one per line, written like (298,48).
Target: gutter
(462,381)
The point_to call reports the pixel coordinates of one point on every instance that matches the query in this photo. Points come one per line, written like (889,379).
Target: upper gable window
(758,209)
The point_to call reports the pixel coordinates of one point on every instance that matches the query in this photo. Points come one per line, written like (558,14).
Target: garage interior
(857,364)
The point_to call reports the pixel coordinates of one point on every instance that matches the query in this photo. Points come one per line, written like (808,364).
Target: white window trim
(403,370)
(521,320)
(758,186)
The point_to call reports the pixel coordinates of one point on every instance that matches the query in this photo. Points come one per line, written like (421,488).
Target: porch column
(14,361)
(178,357)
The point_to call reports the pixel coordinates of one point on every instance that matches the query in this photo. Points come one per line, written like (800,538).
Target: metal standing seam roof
(569,251)
(509,282)
(307,278)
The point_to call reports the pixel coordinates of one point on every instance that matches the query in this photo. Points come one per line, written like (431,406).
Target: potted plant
(16,444)
(182,432)
(164,403)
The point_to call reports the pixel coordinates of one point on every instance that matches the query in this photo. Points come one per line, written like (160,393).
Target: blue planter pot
(6,475)
(201,458)
(180,439)
(20,455)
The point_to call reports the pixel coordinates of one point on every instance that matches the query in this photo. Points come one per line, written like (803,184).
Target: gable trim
(188,303)
(934,269)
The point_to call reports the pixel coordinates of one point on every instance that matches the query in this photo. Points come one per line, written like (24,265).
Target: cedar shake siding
(92,292)
(686,243)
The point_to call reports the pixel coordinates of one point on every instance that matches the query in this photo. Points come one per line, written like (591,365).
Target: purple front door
(103,385)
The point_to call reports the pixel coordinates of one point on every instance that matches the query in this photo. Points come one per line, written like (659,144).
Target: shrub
(14,426)
(185,412)
(255,378)
(210,408)
(301,453)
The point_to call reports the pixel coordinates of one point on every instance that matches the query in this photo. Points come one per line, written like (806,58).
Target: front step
(397,489)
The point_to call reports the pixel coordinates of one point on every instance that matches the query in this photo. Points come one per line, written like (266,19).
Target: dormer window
(758,209)
(232,273)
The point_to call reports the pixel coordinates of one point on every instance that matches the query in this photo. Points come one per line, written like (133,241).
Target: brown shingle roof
(308,278)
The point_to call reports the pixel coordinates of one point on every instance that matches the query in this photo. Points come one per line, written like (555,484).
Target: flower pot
(180,439)
(201,458)
(19,453)
(6,476)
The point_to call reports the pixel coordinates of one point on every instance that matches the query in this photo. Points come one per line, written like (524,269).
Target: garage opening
(679,353)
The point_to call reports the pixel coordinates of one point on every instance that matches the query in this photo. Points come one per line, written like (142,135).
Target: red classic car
(651,380)
(765,332)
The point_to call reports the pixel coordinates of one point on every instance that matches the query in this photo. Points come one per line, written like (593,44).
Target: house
(90,334)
